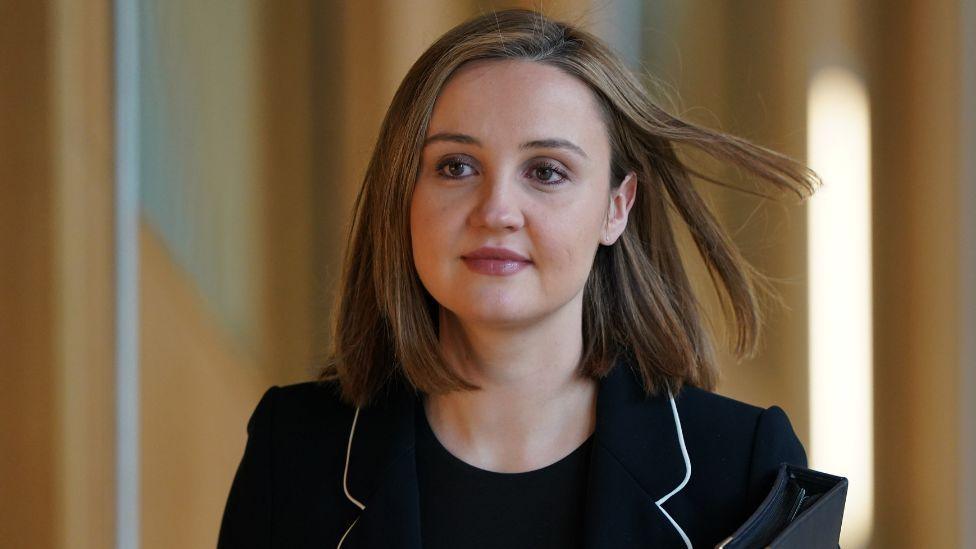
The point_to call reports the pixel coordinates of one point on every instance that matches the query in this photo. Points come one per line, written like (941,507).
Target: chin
(490,314)
(500,322)
(500,318)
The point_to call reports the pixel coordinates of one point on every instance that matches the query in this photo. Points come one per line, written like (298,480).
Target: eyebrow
(548,143)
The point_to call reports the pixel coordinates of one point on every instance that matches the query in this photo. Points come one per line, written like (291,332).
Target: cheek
(429,224)
(570,246)
(419,224)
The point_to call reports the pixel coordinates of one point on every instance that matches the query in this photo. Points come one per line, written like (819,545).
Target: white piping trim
(345,476)
(343,538)
(676,527)
(684,454)
(345,471)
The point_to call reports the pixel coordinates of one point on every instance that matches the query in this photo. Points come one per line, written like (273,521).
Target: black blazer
(664,472)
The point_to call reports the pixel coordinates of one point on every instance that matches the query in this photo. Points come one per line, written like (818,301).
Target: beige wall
(197,390)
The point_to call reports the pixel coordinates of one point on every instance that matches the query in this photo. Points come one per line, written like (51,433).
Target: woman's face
(516,157)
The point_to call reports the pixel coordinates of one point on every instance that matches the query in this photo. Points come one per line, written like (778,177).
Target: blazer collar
(637,462)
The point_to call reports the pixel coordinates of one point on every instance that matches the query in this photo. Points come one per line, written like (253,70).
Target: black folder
(803,510)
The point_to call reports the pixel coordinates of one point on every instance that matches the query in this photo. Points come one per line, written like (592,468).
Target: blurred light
(841,354)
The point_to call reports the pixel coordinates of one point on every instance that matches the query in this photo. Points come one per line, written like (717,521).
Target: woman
(518,357)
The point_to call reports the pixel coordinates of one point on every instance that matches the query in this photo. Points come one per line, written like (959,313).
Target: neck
(533,407)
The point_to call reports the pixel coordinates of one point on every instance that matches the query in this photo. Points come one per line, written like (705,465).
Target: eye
(547,170)
(455,168)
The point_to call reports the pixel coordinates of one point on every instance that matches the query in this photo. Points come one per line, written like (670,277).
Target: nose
(498,206)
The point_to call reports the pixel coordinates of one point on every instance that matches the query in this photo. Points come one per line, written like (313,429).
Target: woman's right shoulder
(291,469)
(299,409)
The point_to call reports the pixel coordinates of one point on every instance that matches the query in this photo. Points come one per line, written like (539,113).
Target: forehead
(520,100)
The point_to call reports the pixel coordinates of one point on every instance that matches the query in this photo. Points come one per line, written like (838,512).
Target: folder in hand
(803,510)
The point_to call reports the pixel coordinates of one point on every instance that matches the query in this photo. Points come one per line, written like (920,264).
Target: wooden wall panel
(915,86)
(56,304)
(29,510)
(84,160)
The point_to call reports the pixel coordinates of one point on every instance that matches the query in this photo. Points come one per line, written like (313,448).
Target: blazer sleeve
(774,443)
(246,520)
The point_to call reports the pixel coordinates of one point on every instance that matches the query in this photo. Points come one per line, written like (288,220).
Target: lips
(495,261)
(489,252)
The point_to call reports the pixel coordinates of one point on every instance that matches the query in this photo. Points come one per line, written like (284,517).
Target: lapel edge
(626,409)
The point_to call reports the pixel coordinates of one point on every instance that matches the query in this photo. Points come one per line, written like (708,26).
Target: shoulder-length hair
(638,300)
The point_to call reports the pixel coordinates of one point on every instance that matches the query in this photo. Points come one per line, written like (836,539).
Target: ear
(621,200)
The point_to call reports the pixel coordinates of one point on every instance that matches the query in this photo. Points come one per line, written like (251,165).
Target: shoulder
(290,475)
(695,402)
(310,396)
(711,415)
(300,413)
(302,428)
(718,424)
(734,450)
(717,430)
(736,445)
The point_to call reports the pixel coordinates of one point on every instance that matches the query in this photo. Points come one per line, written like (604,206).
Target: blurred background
(177,177)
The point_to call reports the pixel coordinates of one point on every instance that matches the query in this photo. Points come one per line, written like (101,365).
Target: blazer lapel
(637,462)
(381,474)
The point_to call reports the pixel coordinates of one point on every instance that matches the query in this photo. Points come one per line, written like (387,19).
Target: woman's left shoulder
(734,450)
(699,404)
(709,417)
(726,435)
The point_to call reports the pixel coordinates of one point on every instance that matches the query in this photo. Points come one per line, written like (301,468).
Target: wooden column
(56,261)
(915,86)
(30,513)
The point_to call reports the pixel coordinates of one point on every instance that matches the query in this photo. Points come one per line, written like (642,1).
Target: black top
(464,506)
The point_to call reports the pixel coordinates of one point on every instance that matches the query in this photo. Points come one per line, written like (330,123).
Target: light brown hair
(638,300)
